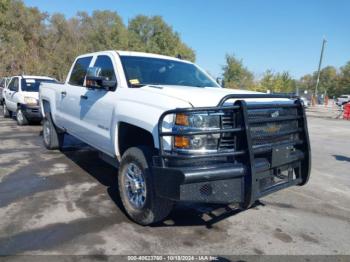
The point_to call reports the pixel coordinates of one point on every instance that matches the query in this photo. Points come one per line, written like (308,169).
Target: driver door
(97,109)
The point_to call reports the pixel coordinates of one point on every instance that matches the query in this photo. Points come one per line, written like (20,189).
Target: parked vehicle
(175,134)
(305,101)
(3,84)
(21,97)
(343,99)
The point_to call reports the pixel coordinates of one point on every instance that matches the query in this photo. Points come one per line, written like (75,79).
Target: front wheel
(53,139)
(21,118)
(136,188)
(6,112)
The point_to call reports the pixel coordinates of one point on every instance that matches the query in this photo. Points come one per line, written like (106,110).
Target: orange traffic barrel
(346,112)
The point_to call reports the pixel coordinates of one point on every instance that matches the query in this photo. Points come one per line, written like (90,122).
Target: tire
(6,113)
(152,208)
(52,137)
(21,118)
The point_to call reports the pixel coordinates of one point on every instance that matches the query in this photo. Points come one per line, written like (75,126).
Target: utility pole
(319,68)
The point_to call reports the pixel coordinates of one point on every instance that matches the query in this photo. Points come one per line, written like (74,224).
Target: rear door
(96,109)
(69,97)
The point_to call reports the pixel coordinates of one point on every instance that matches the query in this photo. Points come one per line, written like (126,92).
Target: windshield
(154,71)
(32,85)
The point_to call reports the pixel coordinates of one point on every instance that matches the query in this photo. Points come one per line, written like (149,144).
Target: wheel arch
(129,135)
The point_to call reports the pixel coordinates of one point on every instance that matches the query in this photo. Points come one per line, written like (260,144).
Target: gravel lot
(65,203)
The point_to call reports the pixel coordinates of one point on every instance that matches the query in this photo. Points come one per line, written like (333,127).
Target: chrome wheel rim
(20,116)
(134,185)
(46,132)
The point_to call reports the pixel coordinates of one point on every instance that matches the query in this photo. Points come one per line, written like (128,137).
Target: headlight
(30,101)
(194,122)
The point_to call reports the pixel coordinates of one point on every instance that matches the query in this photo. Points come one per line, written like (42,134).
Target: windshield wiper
(137,85)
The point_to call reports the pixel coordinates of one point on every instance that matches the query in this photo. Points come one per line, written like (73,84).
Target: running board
(109,160)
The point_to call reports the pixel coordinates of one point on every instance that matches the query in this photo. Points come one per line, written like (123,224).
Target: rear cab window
(78,73)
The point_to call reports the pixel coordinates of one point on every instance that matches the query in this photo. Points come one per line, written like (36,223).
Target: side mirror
(95,80)
(220,81)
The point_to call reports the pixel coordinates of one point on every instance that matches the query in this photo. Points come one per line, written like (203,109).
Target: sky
(280,35)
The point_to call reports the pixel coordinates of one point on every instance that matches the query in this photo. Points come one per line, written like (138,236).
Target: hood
(200,96)
(31,94)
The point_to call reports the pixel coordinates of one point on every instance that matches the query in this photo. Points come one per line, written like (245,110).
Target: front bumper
(32,113)
(259,165)
(214,184)
(226,183)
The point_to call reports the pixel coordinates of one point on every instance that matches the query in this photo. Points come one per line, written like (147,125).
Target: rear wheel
(52,137)
(6,112)
(21,118)
(136,188)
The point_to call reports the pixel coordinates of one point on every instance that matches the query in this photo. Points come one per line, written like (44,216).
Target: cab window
(79,71)
(13,86)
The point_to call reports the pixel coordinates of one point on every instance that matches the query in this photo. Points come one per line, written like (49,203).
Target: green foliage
(236,75)
(276,83)
(344,78)
(332,81)
(153,35)
(32,42)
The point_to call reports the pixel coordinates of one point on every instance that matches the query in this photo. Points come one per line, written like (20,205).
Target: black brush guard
(250,170)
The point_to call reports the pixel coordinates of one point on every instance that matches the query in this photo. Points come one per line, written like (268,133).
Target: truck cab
(22,98)
(175,134)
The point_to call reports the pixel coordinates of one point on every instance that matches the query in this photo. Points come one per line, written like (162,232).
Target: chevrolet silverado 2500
(175,134)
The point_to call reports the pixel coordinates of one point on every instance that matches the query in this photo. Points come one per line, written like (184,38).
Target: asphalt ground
(65,202)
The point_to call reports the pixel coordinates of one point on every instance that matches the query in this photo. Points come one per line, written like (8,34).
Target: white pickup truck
(175,134)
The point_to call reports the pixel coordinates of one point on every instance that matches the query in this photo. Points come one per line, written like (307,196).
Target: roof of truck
(142,54)
(34,77)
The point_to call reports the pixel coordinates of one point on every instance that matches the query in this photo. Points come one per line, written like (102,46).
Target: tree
(328,81)
(152,34)
(21,38)
(32,42)
(344,79)
(307,82)
(267,82)
(236,75)
(277,82)
(104,30)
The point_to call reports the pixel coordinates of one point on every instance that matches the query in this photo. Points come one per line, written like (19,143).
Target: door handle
(64,93)
(83,97)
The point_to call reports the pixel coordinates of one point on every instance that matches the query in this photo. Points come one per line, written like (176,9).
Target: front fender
(143,114)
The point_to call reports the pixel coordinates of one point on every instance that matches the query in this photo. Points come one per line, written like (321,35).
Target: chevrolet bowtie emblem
(273,128)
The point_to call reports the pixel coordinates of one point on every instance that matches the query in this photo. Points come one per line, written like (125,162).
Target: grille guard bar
(247,151)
